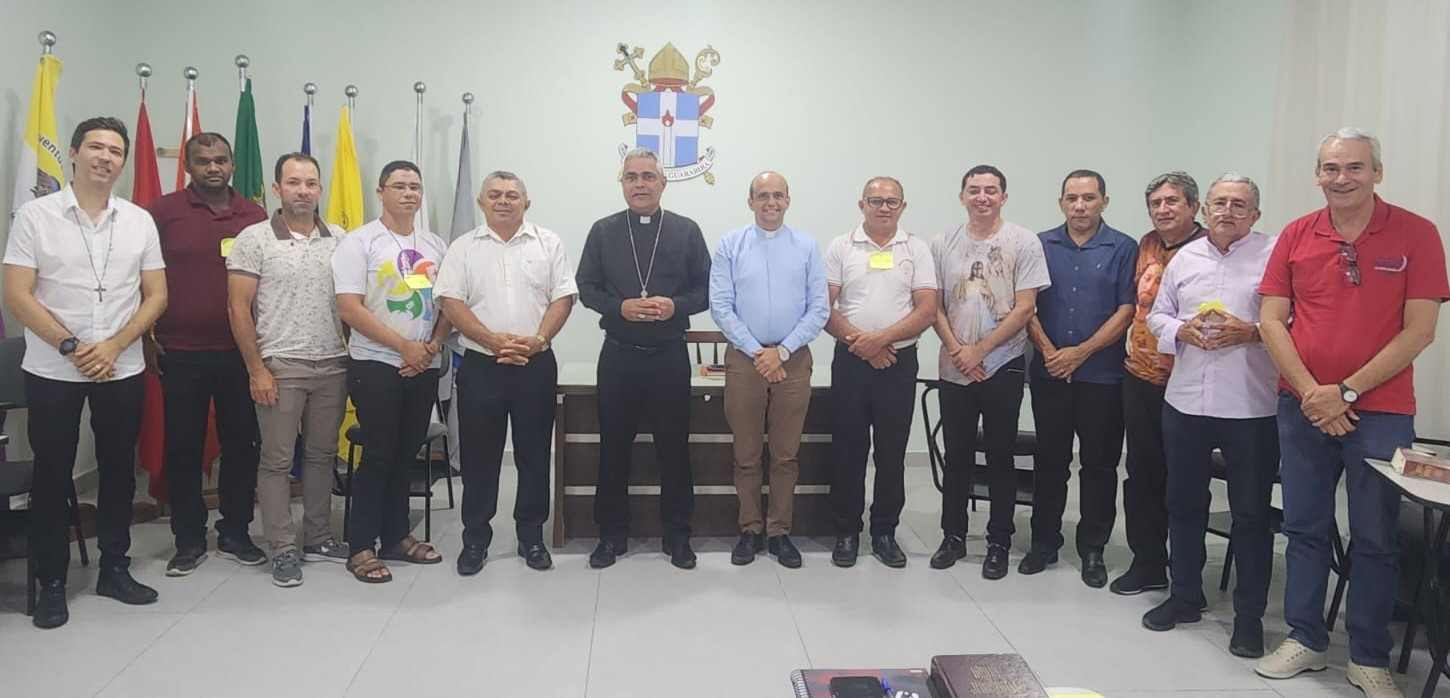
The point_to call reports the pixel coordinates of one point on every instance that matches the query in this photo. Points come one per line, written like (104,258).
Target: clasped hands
(651,309)
(96,361)
(1326,409)
(417,357)
(514,349)
(1215,329)
(872,347)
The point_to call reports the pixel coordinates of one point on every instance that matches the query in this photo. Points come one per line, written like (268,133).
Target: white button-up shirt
(507,285)
(72,256)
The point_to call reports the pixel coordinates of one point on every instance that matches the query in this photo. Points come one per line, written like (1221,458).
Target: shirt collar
(1323,224)
(1060,235)
(1233,246)
(783,230)
(236,205)
(68,203)
(859,236)
(525,228)
(283,233)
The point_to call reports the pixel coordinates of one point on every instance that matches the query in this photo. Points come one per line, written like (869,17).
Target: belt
(640,349)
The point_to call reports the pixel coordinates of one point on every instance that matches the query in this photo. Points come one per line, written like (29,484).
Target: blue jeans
(1312,462)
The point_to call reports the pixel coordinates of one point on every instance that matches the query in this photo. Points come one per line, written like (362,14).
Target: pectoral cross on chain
(99,291)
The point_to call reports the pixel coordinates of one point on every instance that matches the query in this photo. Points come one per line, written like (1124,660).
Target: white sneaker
(1291,659)
(1376,682)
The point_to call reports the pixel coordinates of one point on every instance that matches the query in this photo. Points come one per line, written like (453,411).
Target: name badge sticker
(227,247)
(417,282)
(882,260)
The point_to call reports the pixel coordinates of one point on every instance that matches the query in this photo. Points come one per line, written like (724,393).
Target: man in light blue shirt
(768,296)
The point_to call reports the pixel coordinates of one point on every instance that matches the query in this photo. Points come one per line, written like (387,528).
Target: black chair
(16,476)
(1025,445)
(1221,523)
(422,480)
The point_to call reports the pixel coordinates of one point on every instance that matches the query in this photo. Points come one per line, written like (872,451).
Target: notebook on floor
(904,683)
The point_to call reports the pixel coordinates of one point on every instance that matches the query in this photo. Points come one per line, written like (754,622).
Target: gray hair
(506,176)
(1232,177)
(1351,133)
(647,154)
(1177,179)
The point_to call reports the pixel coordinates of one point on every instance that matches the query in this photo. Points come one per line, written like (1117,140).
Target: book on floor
(984,675)
(902,683)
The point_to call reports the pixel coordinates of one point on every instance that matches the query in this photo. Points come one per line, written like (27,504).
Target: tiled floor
(639,629)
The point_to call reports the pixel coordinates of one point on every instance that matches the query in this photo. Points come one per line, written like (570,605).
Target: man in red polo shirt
(1363,282)
(198,361)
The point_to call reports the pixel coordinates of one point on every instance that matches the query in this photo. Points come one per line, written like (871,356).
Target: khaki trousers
(314,394)
(754,406)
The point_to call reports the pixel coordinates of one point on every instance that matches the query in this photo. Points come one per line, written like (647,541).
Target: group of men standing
(1182,339)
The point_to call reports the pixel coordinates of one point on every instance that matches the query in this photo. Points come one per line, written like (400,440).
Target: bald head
(769,199)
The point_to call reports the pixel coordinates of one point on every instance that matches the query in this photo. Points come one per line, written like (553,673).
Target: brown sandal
(412,551)
(365,565)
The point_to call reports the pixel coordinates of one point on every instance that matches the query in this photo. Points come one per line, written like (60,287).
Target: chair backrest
(699,338)
(12,381)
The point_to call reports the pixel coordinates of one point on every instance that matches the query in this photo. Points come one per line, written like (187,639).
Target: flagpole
(242,62)
(190,73)
(47,42)
(143,71)
(310,89)
(351,92)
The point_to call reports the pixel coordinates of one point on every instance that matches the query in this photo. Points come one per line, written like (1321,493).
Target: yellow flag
(345,191)
(40,171)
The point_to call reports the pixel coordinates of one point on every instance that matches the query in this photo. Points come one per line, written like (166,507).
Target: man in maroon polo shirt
(1363,282)
(197,358)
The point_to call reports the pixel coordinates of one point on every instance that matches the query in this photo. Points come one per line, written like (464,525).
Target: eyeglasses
(1350,256)
(401,188)
(891,204)
(1232,209)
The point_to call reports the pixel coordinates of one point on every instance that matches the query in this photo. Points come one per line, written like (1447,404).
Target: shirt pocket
(535,274)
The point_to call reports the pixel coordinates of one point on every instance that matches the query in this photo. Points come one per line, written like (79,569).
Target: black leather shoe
(847,547)
(995,566)
(1094,570)
(1167,615)
(746,548)
(681,554)
(50,610)
(887,551)
(1248,638)
(1035,561)
(1138,580)
(952,548)
(536,556)
(784,551)
(470,559)
(607,552)
(121,586)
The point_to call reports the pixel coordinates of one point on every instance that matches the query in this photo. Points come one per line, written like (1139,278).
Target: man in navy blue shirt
(1077,374)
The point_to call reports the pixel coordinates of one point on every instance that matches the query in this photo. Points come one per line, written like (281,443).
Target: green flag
(248,177)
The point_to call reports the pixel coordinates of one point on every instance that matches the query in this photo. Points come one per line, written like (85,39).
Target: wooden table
(576,461)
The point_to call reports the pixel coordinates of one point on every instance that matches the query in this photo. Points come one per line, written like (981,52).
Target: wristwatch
(543,342)
(784,353)
(1348,394)
(68,346)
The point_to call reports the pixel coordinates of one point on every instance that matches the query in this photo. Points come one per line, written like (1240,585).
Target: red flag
(151,447)
(190,126)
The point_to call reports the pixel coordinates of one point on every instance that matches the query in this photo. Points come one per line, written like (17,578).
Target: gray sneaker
(330,550)
(287,569)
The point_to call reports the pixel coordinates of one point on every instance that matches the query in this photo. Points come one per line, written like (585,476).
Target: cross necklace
(91,257)
(644,274)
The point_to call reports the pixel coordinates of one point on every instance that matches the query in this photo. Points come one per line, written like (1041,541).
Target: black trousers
(393,413)
(1094,413)
(190,381)
(1250,449)
(997,401)
(54,430)
(653,383)
(1145,516)
(870,406)
(490,396)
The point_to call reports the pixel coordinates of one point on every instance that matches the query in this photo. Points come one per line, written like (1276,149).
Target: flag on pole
(464,218)
(307,128)
(190,126)
(248,178)
(39,171)
(345,190)
(146,176)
